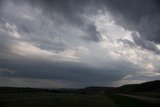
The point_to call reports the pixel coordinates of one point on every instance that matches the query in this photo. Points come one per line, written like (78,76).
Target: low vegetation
(62,100)
(88,97)
(122,101)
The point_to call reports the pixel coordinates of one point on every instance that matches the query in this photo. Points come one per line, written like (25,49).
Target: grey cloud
(92,33)
(127,42)
(140,42)
(66,71)
(140,15)
(143,43)
(57,12)
(31,31)
(6,42)
(58,19)
(73,12)
(149,28)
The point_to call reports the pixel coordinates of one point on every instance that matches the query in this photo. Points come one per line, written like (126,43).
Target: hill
(143,87)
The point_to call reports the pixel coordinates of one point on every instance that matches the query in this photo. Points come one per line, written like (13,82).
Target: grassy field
(63,100)
(122,101)
(153,94)
(68,100)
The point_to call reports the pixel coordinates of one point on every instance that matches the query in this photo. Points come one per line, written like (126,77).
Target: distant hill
(23,89)
(147,86)
(143,87)
(97,89)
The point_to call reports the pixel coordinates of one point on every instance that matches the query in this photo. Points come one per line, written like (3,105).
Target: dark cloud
(58,11)
(30,67)
(72,11)
(92,33)
(66,71)
(6,42)
(139,15)
(143,43)
(52,33)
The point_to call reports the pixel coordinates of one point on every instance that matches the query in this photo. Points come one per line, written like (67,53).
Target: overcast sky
(79,43)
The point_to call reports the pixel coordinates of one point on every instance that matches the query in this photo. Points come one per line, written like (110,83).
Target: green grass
(153,94)
(64,100)
(68,100)
(122,101)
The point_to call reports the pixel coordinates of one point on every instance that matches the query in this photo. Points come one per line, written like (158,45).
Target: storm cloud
(78,43)
(139,15)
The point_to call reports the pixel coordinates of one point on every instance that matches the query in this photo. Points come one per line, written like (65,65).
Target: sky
(79,43)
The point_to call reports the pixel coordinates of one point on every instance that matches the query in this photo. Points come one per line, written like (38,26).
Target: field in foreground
(63,100)
(123,101)
(70,100)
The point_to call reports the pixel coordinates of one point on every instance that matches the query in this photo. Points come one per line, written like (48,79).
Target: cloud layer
(78,43)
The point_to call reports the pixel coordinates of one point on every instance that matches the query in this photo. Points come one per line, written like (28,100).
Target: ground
(69,100)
